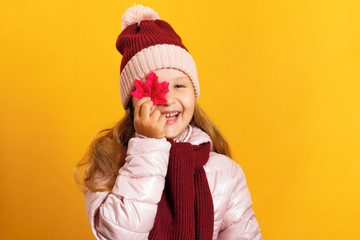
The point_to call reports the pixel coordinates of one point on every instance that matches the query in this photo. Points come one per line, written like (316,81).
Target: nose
(170,98)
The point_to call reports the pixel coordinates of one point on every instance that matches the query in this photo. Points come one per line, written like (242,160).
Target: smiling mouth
(167,115)
(171,117)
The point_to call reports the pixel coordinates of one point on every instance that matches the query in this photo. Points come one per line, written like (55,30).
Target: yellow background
(280,79)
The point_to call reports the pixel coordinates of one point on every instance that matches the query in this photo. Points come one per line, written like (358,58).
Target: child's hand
(148,121)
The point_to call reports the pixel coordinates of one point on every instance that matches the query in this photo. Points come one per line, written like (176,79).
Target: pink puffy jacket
(128,211)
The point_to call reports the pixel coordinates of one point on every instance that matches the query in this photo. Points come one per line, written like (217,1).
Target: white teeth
(170,114)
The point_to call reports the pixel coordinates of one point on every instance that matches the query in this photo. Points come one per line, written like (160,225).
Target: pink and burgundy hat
(148,44)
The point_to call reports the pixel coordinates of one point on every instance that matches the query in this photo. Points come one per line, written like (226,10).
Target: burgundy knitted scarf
(186,209)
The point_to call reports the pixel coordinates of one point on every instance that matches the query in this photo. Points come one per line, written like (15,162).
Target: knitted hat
(148,44)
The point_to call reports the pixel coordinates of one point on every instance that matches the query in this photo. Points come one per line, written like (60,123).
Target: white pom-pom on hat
(136,14)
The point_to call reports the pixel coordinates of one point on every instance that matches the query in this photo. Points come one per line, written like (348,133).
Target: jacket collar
(195,136)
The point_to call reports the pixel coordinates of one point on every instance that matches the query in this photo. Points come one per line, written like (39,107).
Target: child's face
(180,101)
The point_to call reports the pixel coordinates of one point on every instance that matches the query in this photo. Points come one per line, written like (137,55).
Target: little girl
(164,171)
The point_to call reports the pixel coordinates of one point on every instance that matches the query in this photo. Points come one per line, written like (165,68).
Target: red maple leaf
(152,88)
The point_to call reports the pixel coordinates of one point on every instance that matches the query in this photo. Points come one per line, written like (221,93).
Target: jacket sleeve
(239,221)
(129,210)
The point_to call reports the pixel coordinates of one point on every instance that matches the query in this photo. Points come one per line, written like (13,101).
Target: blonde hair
(98,168)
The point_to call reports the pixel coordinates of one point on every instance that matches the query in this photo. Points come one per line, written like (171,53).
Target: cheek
(189,104)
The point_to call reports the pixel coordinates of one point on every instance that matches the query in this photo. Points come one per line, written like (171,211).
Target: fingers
(156,116)
(148,121)
(146,110)
(162,121)
(138,106)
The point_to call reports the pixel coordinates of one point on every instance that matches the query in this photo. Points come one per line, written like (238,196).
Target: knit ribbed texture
(136,37)
(186,209)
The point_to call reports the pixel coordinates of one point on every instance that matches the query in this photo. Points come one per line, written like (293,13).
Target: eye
(179,86)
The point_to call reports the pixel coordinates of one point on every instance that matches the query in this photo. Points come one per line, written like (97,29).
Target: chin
(173,131)
(171,136)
